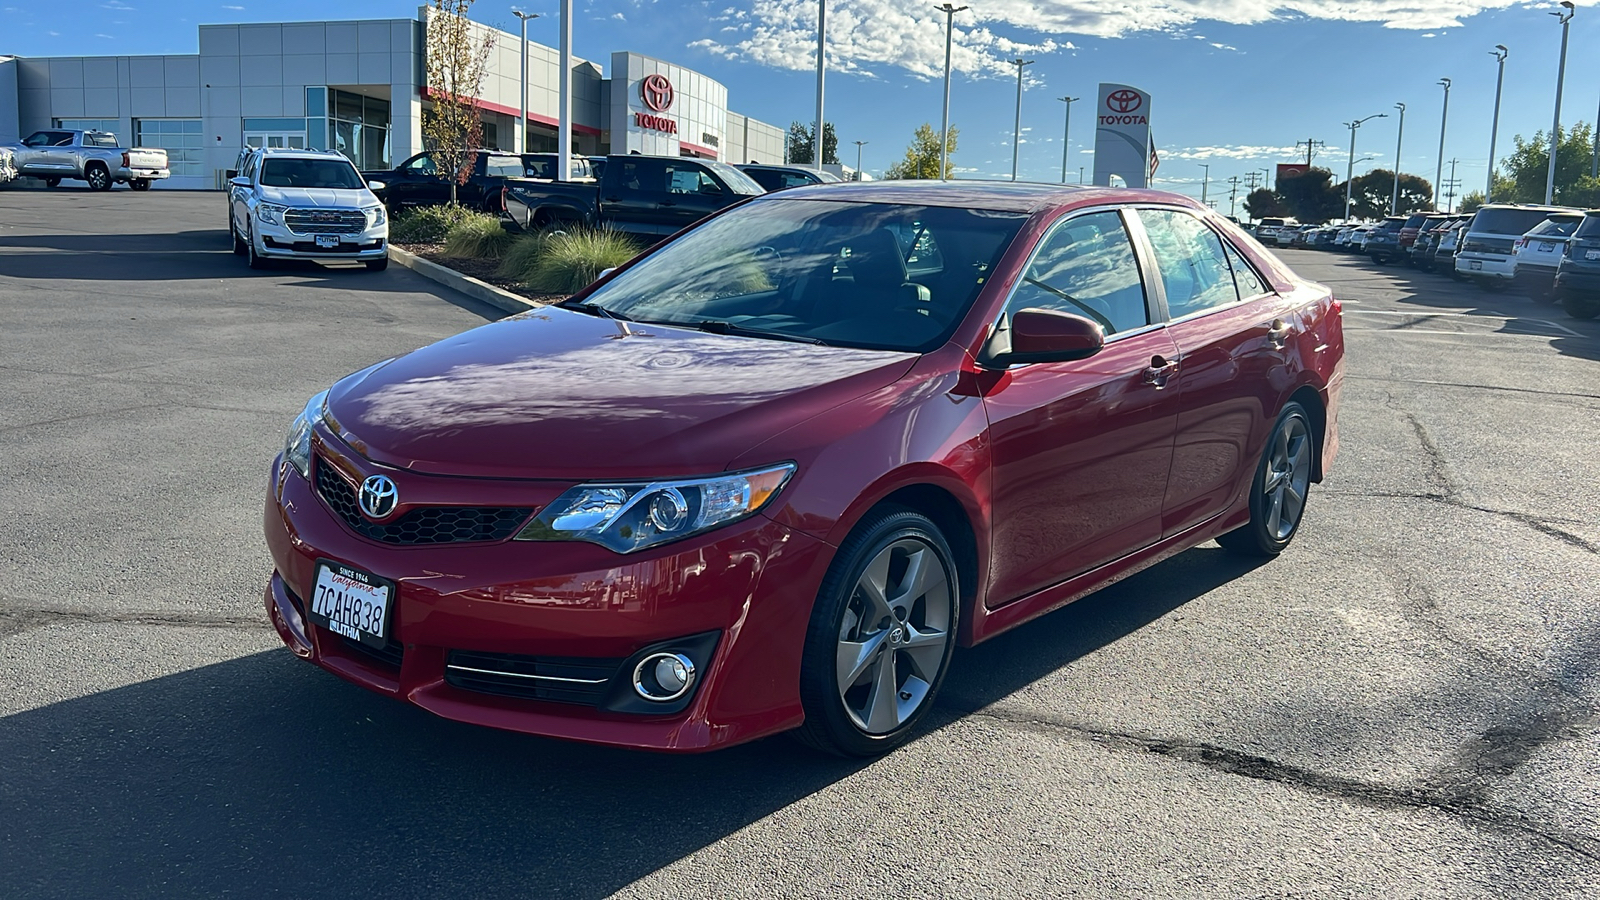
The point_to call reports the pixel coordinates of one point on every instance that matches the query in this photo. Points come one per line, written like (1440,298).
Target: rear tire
(52,182)
(238,242)
(1579,307)
(98,176)
(1280,488)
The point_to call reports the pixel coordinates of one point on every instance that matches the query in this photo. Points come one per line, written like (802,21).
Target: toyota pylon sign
(1122,136)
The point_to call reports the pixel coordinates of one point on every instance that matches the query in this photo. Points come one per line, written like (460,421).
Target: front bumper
(750,586)
(1486,265)
(278,242)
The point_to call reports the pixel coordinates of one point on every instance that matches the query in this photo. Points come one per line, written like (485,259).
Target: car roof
(994,196)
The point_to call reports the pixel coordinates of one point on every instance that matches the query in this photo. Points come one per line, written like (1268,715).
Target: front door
(1081,449)
(692,194)
(631,194)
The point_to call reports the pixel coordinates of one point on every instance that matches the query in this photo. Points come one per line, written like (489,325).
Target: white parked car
(306,204)
(1537,254)
(1487,251)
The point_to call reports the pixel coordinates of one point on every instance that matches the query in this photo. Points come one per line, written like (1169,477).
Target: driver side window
(1086,266)
(691,180)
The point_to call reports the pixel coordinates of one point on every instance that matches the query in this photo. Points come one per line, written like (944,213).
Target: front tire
(881,635)
(1278,493)
(377,265)
(256,260)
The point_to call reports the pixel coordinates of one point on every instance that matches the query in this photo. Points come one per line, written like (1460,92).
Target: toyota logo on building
(656,92)
(378,496)
(1123,101)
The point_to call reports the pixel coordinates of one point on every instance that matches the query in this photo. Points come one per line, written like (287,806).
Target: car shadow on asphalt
(263,775)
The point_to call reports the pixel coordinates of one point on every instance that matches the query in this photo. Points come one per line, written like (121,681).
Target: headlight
(375,216)
(297,444)
(270,213)
(631,516)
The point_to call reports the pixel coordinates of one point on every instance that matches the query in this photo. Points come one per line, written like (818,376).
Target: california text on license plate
(352,603)
(327,240)
(1591,254)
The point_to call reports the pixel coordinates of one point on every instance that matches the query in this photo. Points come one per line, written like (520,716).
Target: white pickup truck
(91,156)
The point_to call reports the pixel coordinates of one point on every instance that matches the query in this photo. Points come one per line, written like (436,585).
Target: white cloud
(909,34)
(1231,152)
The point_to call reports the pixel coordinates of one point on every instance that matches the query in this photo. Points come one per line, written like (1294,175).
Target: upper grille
(560,678)
(325,221)
(424,525)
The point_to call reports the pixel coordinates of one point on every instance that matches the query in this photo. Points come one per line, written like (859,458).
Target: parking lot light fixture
(1016,134)
(1444,119)
(822,68)
(1500,53)
(1565,18)
(1350,166)
(521,143)
(1066,136)
(944,127)
(1394,201)
(859,145)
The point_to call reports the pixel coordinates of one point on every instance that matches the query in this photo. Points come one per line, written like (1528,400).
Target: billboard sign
(1292,170)
(1122,136)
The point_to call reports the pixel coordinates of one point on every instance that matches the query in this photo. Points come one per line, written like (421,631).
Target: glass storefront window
(110,125)
(358,128)
(181,138)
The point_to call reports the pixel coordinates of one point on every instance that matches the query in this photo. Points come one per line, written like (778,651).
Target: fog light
(663,677)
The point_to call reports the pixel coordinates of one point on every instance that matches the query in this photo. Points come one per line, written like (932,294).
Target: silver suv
(306,204)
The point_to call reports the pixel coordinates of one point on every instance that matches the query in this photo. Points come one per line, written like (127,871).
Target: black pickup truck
(645,195)
(419,182)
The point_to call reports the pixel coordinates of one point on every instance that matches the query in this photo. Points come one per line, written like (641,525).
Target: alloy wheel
(1287,478)
(894,635)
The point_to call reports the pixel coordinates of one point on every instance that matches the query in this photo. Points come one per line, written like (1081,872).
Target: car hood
(330,198)
(560,394)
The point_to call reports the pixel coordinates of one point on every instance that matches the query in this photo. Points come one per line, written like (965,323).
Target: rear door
(631,194)
(1231,330)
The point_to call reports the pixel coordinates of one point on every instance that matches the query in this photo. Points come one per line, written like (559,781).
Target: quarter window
(1244,275)
(1086,267)
(1194,271)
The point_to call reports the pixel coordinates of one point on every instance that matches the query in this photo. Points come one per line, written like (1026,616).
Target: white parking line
(1428,315)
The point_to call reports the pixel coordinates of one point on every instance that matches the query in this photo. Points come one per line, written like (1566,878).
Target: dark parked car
(776,178)
(1427,241)
(1578,277)
(644,195)
(767,475)
(1383,241)
(419,181)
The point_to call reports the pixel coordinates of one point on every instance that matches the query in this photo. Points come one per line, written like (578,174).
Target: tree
(922,157)
(1310,198)
(1370,194)
(800,144)
(1528,166)
(1263,202)
(1471,202)
(457,59)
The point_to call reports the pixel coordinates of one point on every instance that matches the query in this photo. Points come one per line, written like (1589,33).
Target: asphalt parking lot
(1403,705)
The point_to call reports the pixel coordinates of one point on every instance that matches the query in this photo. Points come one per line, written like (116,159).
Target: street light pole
(1561,76)
(944,127)
(822,62)
(1205,182)
(564,124)
(1444,119)
(1016,134)
(1394,201)
(521,143)
(1500,53)
(1350,168)
(1066,136)
(859,145)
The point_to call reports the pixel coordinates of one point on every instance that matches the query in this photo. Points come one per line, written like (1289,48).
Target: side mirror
(231,174)
(239,181)
(376,186)
(1043,336)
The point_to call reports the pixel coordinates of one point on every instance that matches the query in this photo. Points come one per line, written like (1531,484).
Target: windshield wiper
(722,326)
(593,309)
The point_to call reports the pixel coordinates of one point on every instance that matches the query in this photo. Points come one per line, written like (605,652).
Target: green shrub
(479,237)
(572,260)
(521,257)
(428,224)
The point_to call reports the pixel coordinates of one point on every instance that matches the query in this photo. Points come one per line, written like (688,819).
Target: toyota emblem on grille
(378,496)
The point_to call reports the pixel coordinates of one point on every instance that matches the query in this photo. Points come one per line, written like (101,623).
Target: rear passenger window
(1086,267)
(1194,271)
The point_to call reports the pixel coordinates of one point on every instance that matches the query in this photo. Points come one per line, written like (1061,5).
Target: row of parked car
(1549,253)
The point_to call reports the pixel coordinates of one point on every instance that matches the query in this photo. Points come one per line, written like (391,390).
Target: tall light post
(1565,18)
(1016,134)
(1205,182)
(1350,168)
(859,145)
(564,123)
(1394,201)
(944,127)
(1500,53)
(1444,119)
(822,64)
(521,143)
(1066,136)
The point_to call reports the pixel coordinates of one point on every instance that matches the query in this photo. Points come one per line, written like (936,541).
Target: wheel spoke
(1275,512)
(883,707)
(925,651)
(920,567)
(874,586)
(855,657)
(1293,502)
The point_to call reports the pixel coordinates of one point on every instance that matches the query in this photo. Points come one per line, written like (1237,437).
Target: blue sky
(1235,83)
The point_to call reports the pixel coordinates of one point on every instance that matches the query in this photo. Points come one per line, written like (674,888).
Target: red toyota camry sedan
(769,474)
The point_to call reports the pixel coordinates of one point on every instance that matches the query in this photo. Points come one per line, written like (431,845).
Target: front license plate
(1474,265)
(352,602)
(327,240)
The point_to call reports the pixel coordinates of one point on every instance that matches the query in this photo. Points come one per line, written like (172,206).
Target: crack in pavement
(1477,387)
(1542,524)
(15,620)
(1470,808)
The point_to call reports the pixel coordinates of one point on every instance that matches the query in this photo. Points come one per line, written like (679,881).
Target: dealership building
(359,87)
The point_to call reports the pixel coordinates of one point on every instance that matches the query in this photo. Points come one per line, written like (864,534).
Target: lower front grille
(563,679)
(391,654)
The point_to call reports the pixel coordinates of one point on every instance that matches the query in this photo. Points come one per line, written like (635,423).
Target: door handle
(669,203)
(612,199)
(1279,333)
(1159,371)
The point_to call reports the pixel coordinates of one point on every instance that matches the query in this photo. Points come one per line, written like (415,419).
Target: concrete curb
(478,290)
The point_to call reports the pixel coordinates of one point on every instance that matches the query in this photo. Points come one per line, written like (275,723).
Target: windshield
(1507,220)
(874,275)
(737,181)
(311,173)
(1556,226)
